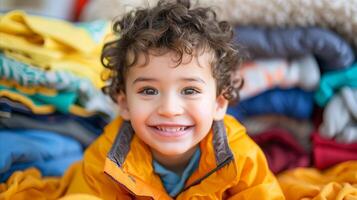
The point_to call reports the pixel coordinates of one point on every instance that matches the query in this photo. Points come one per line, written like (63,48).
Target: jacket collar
(213,147)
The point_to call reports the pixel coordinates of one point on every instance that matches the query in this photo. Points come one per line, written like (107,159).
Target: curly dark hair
(176,27)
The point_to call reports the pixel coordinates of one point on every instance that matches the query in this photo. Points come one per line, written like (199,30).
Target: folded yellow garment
(80,68)
(13,22)
(51,44)
(37,89)
(36,109)
(29,184)
(59,30)
(80,197)
(19,44)
(336,183)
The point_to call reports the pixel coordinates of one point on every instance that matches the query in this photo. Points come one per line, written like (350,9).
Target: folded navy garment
(95,122)
(51,153)
(83,129)
(331,51)
(295,103)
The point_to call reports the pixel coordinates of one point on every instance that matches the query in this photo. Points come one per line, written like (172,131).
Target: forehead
(171,63)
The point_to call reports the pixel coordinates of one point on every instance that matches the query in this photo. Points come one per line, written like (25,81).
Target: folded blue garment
(295,103)
(51,153)
(94,123)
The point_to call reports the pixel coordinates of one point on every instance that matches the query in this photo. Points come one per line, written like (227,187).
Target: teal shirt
(172,182)
(333,81)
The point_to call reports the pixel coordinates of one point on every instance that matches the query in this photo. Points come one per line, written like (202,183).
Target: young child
(172,77)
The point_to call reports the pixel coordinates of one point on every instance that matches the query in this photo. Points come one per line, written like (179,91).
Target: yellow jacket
(119,166)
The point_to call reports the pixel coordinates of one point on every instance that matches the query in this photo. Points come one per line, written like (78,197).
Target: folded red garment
(328,152)
(281,150)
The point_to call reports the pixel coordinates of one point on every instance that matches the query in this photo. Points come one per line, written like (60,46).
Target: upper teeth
(170,129)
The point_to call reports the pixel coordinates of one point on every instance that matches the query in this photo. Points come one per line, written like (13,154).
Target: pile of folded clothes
(51,104)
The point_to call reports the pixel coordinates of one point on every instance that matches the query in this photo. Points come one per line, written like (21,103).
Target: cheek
(203,108)
(138,110)
(138,118)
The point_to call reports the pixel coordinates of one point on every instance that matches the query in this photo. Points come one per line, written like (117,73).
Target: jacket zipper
(196,182)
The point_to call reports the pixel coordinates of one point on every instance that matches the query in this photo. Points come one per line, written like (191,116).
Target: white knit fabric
(338,15)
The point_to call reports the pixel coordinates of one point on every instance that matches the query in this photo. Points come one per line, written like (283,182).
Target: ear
(123,106)
(221,108)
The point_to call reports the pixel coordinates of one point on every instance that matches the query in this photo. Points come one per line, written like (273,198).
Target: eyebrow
(194,79)
(146,79)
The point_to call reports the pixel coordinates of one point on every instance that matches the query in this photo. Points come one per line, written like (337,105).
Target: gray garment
(300,129)
(66,127)
(350,97)
(331,51)
(340,116)
(349,133)
(308,72)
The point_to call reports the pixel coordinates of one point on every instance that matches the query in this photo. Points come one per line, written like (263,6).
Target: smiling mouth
(171,131)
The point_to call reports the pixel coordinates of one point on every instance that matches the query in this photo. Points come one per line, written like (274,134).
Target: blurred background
(65,9)
(299,101)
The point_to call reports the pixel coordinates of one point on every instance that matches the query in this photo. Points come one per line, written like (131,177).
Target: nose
(170,105)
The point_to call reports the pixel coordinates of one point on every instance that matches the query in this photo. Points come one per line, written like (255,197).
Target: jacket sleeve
(90,178)
(255,181)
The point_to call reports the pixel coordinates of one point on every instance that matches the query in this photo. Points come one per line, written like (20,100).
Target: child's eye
(190,91)
(149,91)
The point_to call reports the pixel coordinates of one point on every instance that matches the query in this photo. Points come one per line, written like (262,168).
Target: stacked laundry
(51,105)
(281,73)
(281,105)
(336,138)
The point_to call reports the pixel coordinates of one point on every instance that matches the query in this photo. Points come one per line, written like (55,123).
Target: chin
(173,152)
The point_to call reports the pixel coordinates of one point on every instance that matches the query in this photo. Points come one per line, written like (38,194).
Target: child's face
(171,108)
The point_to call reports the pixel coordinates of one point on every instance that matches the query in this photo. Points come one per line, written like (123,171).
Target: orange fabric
(29,184)
(247,177)
(336,183)
(80,197)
